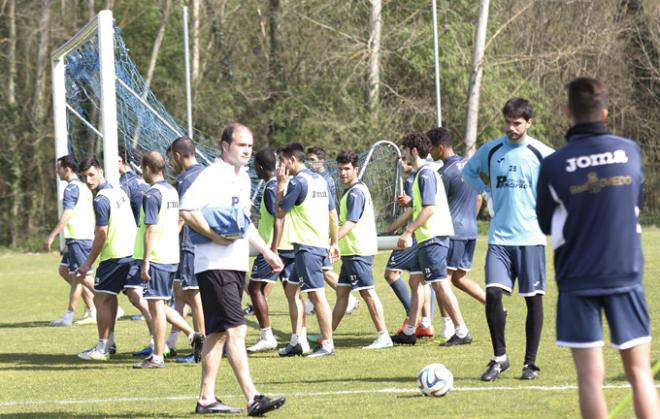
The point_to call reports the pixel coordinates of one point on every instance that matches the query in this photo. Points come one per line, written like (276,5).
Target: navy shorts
(526,263)
(460,254)
(133,279)
(356,272)
(159,287)
(579,320)
(185,273)
(327,264)
(111,275)
(221,293)
(431,259)
(262,272)
(309,268)
(402,259)
(76,254)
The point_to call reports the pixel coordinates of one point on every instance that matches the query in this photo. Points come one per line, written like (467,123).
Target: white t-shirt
(219,186)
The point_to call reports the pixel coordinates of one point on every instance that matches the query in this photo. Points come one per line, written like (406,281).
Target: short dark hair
(182,145)
(318,151)
(518,107)
(87,162)
(68,161)
(417,140)
(348,156)
(228,133)
(128,155)
(587,97)
(266,159)
(154,161)
(439,136)
(295,150)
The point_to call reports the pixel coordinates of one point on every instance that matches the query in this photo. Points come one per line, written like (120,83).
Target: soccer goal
(101,102)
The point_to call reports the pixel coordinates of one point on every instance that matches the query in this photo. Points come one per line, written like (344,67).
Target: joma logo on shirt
(319,194)
(582,162)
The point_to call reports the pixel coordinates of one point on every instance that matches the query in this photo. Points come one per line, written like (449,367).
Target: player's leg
(376,311)
(262,276)
(312,277)
(407,335)
(365,286)
(323,312)
(460,280)
(211,356)
(459,263)
(627,315)
(296,345)
(331,278)
(64,271)
(399,287)
(194,300)
(158,327)
(529,262)
(590,369)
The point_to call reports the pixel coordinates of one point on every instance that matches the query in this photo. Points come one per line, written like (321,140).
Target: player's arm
(400,221)
(333,251)
(271,257)
(197,222)
(278,230)
(61,223)
(355,203)
(545,203)
(151,203)
(282,178)
(473,169)
(102,214)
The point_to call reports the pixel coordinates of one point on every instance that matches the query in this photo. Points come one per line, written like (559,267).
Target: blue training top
(135,187)
(461,197)
(183,182)
(513,170)
(589,197)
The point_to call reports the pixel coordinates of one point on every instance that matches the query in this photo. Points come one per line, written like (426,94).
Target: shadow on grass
(24,324)
(62,414)
(379,380)
(55,362)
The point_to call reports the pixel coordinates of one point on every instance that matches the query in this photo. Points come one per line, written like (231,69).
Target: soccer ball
(435,380)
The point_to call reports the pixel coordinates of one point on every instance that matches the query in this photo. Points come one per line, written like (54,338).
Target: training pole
(438,107)
(186,59)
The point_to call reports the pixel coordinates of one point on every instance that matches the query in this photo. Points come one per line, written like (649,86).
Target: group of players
(530,191)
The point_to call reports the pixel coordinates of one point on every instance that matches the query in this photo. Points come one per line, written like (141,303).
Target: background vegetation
(298,70)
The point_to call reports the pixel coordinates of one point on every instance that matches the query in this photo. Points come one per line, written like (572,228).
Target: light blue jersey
(512,170)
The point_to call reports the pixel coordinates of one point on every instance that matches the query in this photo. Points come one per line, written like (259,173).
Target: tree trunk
(14,178)
(472,113)
(195,42)
(276,75)
(373,78)
(38,100)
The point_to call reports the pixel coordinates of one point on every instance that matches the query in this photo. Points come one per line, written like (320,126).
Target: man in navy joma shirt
(589,197)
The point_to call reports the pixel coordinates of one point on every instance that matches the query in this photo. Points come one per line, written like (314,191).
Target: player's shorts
(133,279)
(460,254)
(262,272)
(356,272)
(159,287)
(309,268)
(221,293)
(579,321)
(431,259)
(185,273)
(526,263)
(111,275)
(402,259)
(76,255)
(327,264)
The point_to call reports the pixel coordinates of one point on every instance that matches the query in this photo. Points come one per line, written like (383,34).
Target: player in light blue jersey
(464,204)
(77,223)
(516,244)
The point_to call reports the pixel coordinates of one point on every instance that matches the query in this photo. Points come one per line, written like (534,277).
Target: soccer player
(316,157)
(132,183)
(431,224)
(589,198)
(263,277)
(186,289)
(516,245)
(114,237)
(358,246)
(220,267)
(463,204)
(309,208)
(77,222)
(157,254)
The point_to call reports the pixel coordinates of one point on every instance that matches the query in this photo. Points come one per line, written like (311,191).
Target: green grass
(40,375)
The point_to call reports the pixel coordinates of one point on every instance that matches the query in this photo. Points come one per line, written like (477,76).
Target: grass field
(40,376)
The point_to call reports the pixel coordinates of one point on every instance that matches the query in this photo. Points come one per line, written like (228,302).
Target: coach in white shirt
(220,267)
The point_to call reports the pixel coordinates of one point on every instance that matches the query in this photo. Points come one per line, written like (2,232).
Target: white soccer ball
(435,380)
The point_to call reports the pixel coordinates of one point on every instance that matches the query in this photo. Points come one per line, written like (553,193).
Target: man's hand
(403,200)
(144,271)
(282,174)
(334,253)
(405,240)
(273,260)
(489,203)
(48,242)
(82,270)
(218,239)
